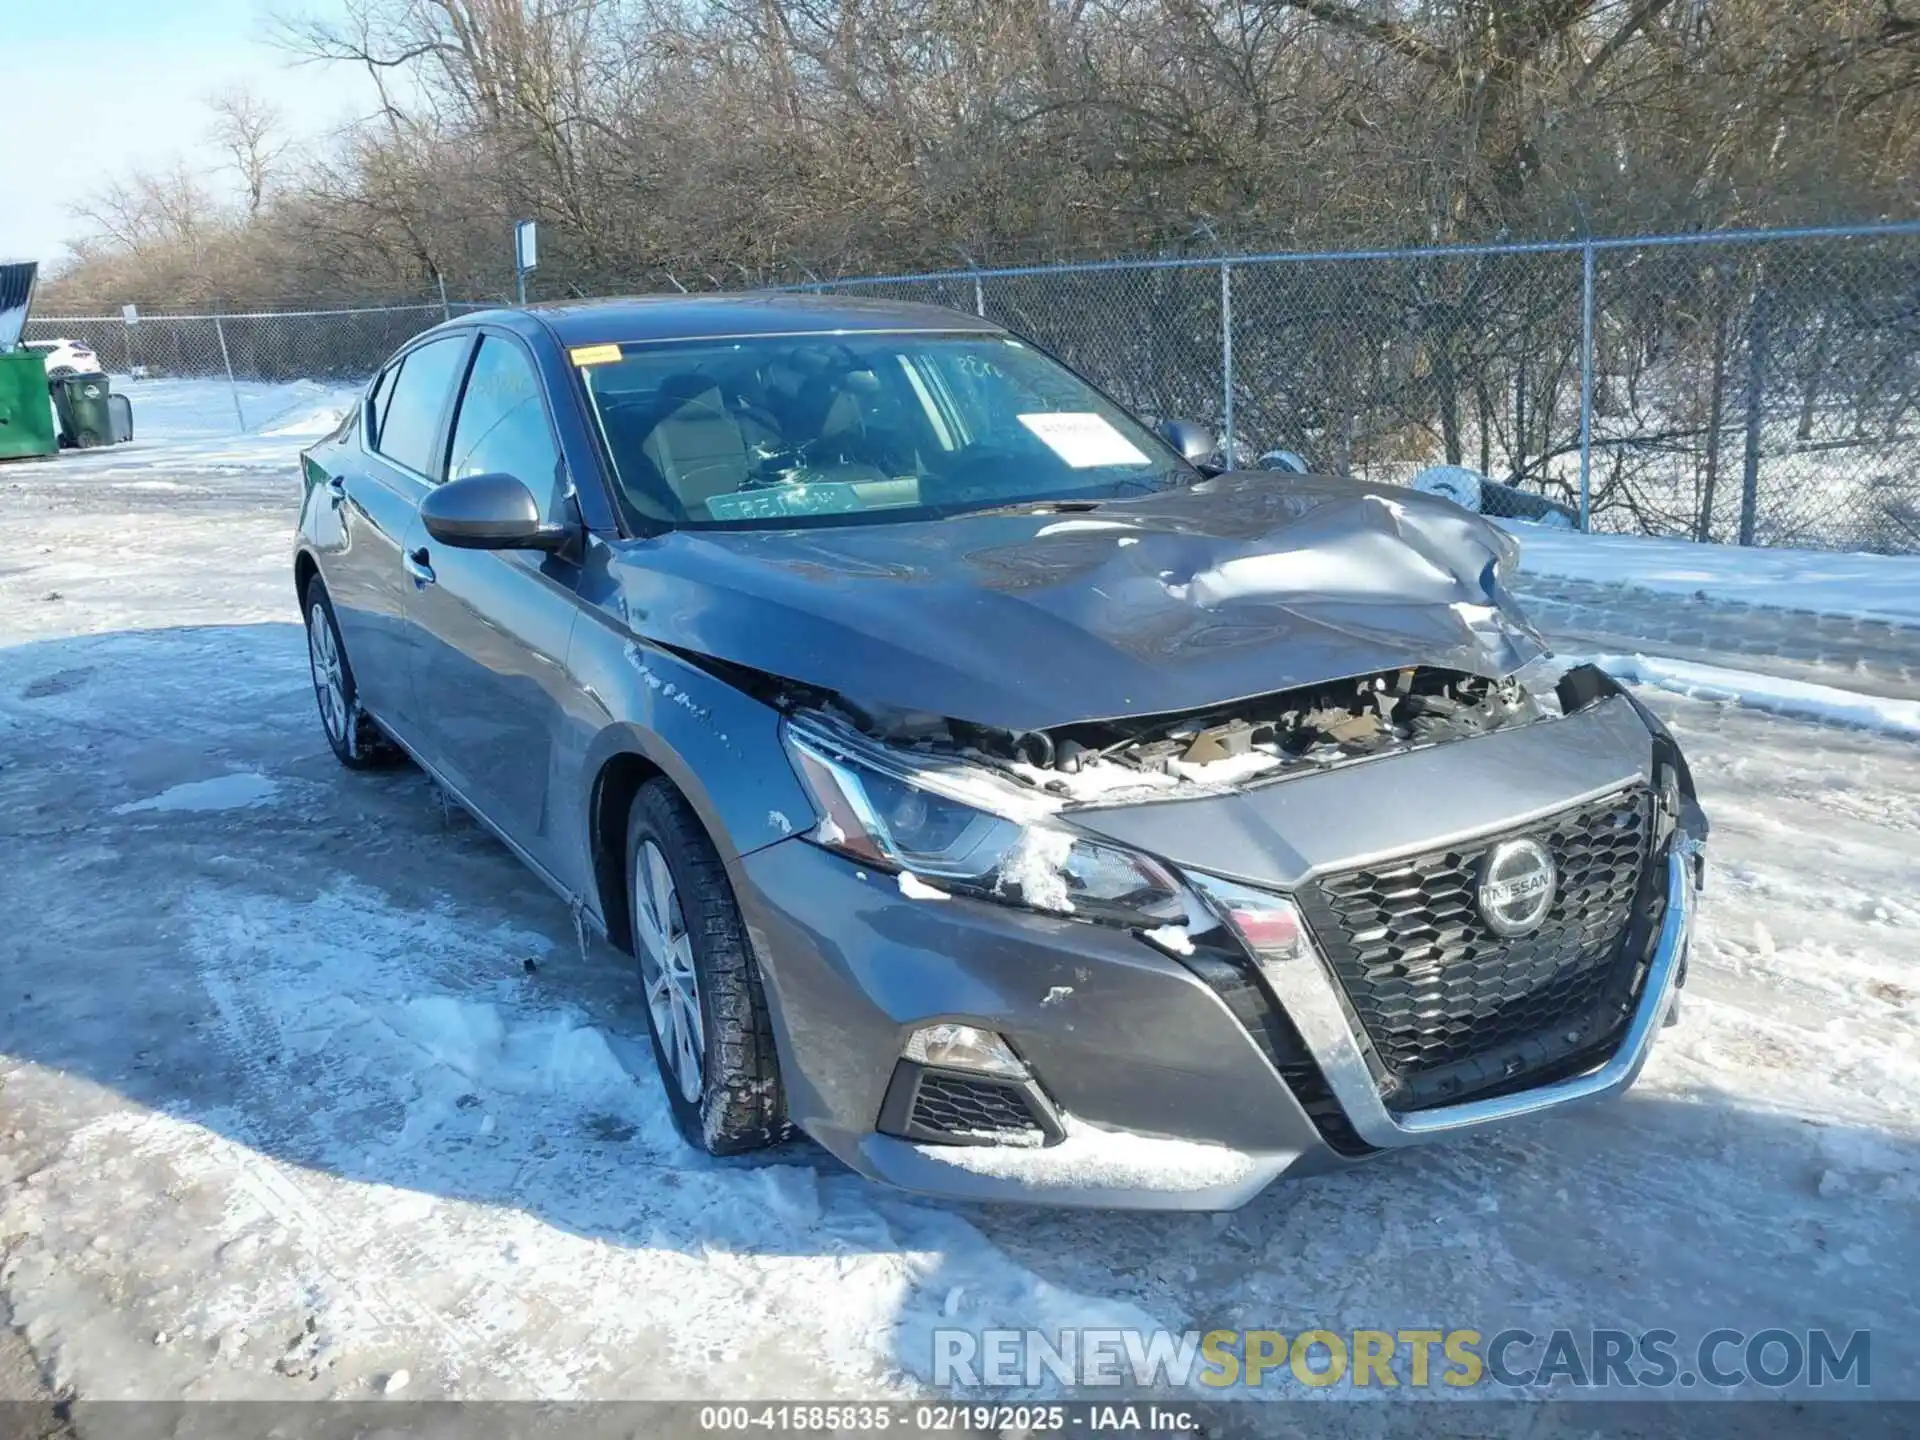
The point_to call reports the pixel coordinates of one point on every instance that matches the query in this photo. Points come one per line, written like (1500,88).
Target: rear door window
(410,428)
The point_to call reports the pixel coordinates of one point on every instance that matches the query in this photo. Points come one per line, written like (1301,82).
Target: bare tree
(248,131)
(152,210)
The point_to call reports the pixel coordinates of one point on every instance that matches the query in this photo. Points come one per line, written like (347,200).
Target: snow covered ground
(305,1086)
(1861,587)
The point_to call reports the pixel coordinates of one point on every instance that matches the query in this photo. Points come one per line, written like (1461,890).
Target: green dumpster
(85,417)
(26,420)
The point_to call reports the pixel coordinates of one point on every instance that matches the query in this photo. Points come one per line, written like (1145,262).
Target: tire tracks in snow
(279,1192)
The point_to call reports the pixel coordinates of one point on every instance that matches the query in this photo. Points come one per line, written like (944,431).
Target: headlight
(962,828)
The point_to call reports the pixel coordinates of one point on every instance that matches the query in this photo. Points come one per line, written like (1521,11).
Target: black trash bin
(80,401)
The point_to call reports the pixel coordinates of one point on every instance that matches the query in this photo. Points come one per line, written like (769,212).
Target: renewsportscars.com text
(1225,1360)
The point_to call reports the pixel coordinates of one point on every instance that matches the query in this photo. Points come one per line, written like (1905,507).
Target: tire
(356,740)
(732,1101)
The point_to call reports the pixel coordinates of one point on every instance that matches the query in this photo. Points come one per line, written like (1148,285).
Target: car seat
(695,442)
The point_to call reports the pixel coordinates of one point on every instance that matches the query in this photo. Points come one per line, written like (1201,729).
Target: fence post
(441,281)
(1226,365)
(1586,385)
(979,298)
(220,332)
(1756,386)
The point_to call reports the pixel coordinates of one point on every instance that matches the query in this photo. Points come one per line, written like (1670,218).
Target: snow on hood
(1240,586)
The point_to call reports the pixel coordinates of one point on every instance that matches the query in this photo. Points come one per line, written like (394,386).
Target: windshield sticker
(834,497)
(1083,439)
(595,354)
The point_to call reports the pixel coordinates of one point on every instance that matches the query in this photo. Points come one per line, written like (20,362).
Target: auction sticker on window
(1083,439)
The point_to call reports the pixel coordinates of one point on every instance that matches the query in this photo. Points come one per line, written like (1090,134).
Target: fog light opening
(964,1047)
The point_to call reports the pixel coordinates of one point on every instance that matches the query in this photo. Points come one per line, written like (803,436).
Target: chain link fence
(255,347)
(1748,387)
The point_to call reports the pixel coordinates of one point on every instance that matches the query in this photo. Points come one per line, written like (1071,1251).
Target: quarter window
(377,398)
(416,400)
(502,427)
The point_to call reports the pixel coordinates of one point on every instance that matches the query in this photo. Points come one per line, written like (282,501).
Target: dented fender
(719,746)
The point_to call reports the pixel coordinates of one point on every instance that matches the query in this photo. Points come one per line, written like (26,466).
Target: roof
(700,317)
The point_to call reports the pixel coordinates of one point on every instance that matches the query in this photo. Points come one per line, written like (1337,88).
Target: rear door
(490,632)
(377,501)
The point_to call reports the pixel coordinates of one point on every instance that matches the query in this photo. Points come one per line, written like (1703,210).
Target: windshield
(858,429)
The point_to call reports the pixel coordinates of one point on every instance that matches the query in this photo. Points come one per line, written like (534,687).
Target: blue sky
(93,89)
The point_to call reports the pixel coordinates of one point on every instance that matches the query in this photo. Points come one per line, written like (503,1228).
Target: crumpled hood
(1238,586)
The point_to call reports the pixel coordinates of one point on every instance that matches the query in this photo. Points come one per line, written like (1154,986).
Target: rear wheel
(705,1005)
(356,740)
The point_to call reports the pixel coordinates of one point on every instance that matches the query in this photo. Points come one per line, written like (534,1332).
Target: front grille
(1450,1006)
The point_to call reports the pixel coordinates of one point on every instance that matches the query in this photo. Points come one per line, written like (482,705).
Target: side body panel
(492,630)
(355,528)
(491,636)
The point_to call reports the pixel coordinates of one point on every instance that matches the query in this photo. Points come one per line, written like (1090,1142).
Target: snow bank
(178,409)
(309,424)
(1863,587)
(1797,698)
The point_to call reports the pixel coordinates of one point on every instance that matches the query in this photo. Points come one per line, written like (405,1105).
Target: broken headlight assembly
(963,829)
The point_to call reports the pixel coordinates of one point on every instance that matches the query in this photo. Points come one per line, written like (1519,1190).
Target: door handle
(337,490)
(418,568)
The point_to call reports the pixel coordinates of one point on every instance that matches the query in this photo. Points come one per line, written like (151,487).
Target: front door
(491,628)
(378,498)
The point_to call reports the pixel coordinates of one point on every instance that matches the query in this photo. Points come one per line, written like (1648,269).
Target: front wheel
(705,1005)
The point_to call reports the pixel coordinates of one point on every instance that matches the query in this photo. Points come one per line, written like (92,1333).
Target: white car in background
(67,357)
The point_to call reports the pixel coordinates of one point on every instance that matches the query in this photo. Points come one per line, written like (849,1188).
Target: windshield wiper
(1037,507)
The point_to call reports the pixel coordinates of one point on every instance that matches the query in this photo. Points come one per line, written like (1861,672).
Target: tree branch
(1637,19)
(1391,33)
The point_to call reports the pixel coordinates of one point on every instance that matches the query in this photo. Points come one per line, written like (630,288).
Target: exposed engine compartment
(1311,727)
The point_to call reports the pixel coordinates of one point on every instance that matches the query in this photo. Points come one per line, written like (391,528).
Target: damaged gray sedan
(983,784)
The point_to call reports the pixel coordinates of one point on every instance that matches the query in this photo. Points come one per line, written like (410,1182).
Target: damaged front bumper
(1161,1088)
(1121,1037)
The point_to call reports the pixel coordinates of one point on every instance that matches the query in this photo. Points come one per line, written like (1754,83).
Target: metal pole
(520,285)
(979,298)
(441,281)
(233,385)
(1756,387)
(1226,364)
(1586,384)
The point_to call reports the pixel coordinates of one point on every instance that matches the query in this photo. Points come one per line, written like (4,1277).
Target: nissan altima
(983,782)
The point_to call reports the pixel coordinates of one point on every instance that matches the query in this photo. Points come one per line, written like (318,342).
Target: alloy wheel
(667,970)
(329,681)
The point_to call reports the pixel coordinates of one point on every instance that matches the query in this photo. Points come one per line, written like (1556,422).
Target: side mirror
(1193,440)
(489,512)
